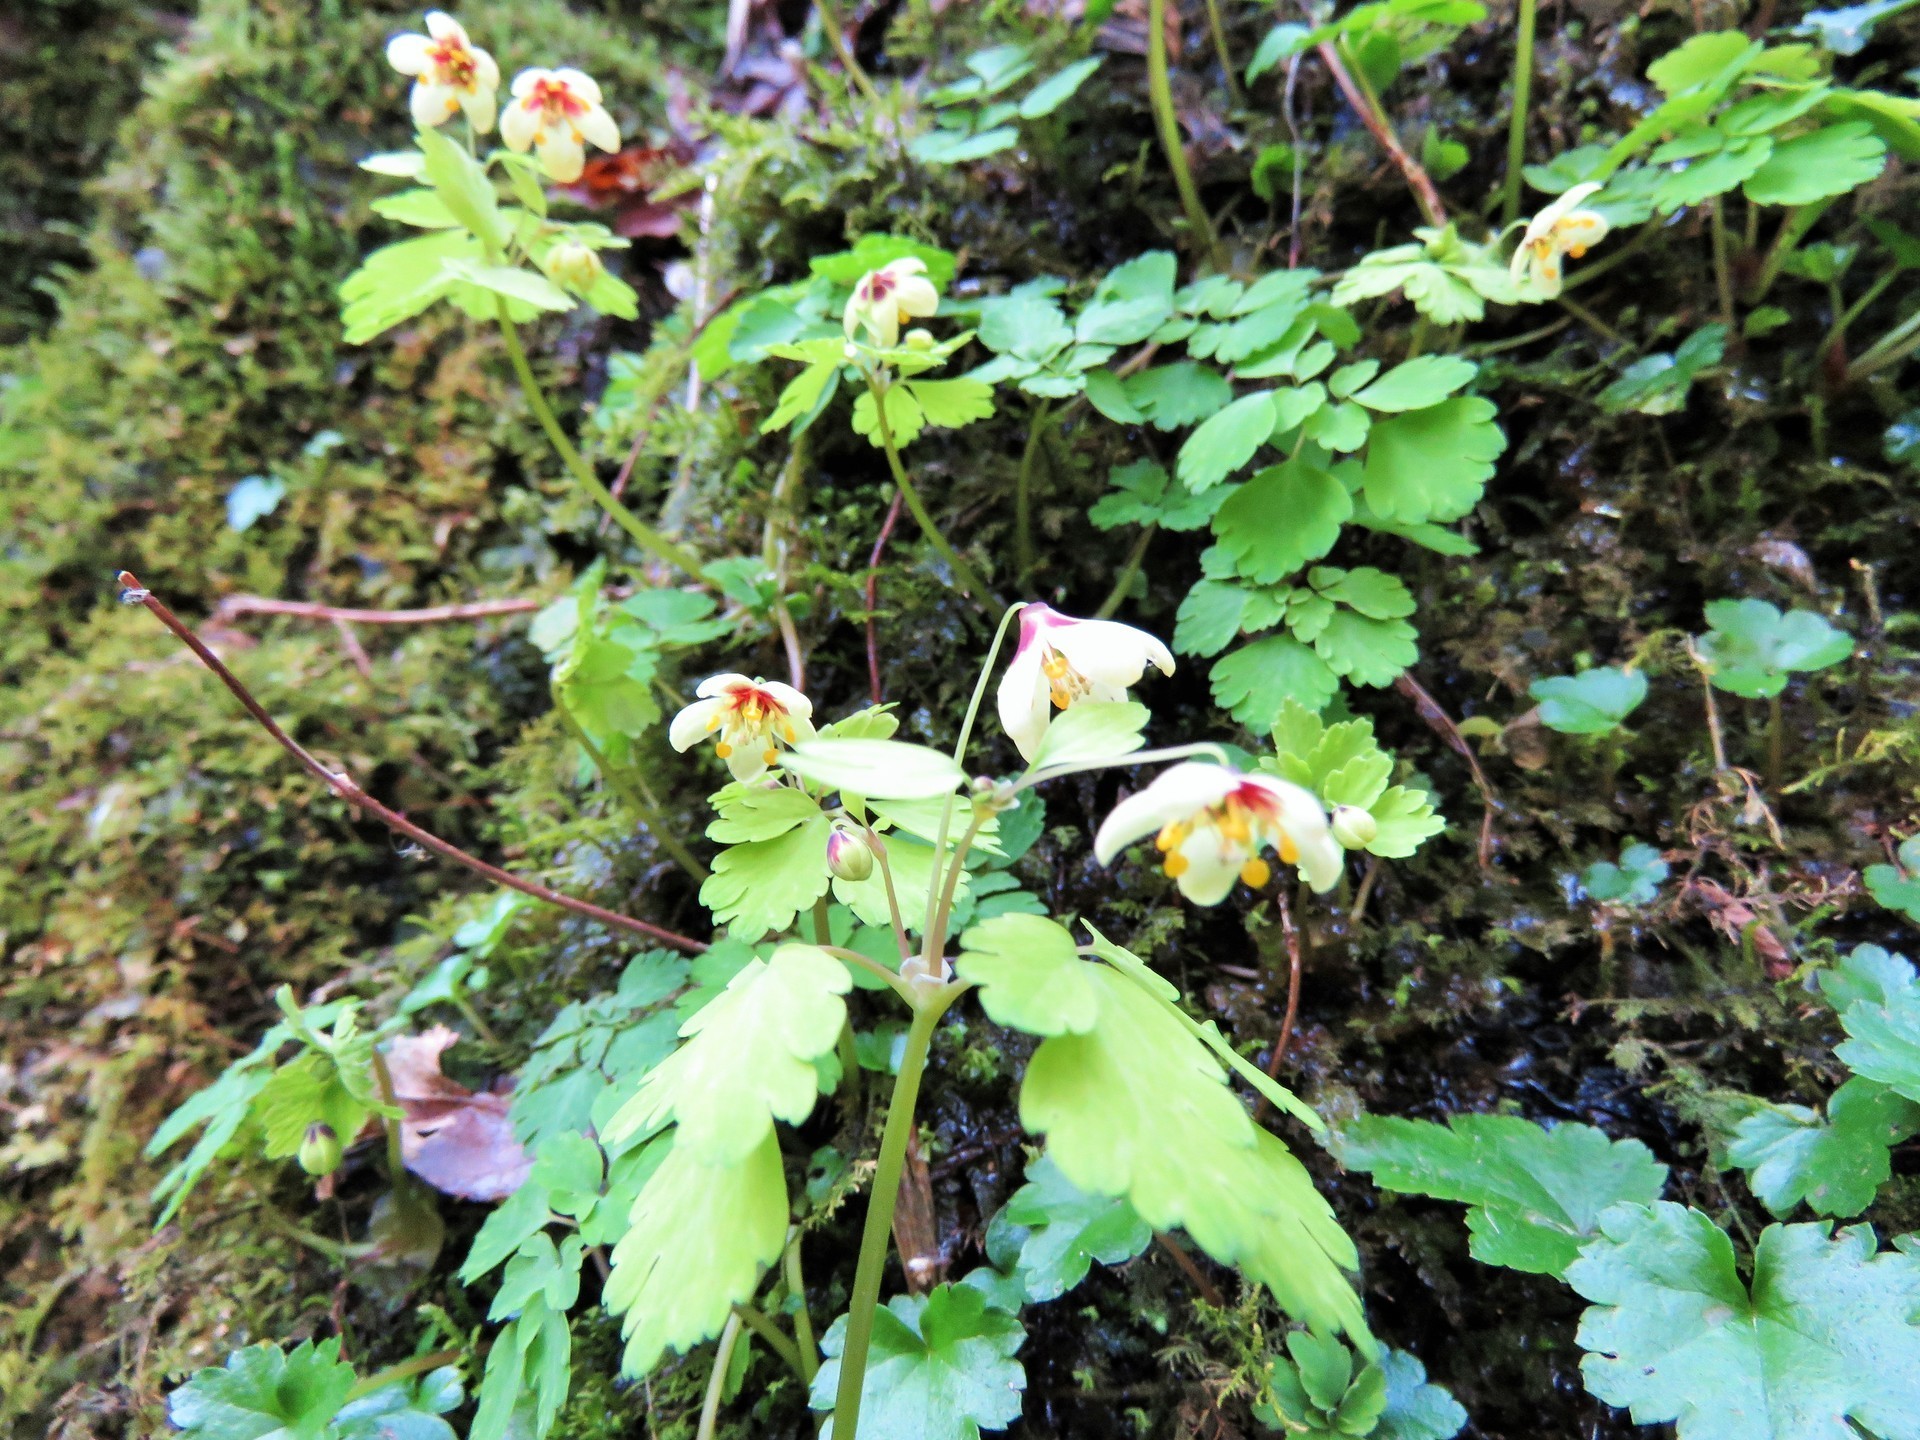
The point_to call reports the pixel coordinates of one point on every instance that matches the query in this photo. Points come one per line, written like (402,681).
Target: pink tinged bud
(320,1149)
(849,856)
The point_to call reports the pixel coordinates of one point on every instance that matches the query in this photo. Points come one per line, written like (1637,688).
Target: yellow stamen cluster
(1236,825)
(1065,683)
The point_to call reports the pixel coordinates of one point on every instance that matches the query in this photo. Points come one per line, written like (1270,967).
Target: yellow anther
(1061,699)
(723,750)
(1171,834)
(713,721)
(1055,665)
(1256,872)
(1289,851)
(1176,865)
(770,755)
(791,734)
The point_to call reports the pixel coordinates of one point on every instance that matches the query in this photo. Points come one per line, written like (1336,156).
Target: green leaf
(1432,464)
(1224,443)
(1144,494)
(1658,384)
(1282,42)
(1893,889)
(1053,92)
(527,286)
(1030,974)
(1790,1154)
(758,887)
(1415,1410)
(905,418)
(1130,303)
(407,1410)
(940,1367)
(422,209)
(950,404)
(463,187)
(1365,651)
(805,396)
(308,1090)
(1829,161)
(1027,321)
(1701,60)
(701,1236)
(1634,881)
(1137,1108)
(1536,1194)
(1825,1333)
(1256,680)
(874,769)
(1172,397)
(1753,650)
(1372,592)
(1847,30)
(1209,618)
(1884,1038)
(911,865)
(1868,975)
(265,1393)
(1417,384)
(529,1370)
(747,1059)
(1283,517)
(399,281)
(1594,702)
(870,252)
(1091,730)
(1714,173)
(1066,1230)
(956,147)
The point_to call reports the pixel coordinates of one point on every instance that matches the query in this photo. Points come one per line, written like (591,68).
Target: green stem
(717,1381)
(879,848)
(1160,92)
(1219,32)
(405,1370)
(1517,121)
(802,1318)
(396,1157)
(649,813)
(934,942)
(1889,349)
(1123,582)
(962,571)
(878,1231)
(643,534)
(764,1327)
(1723,270)
(837,38)
(1793,228)
(1137,757)
(1023,552)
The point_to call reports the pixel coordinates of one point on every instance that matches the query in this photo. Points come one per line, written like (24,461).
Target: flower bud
(320,1150)
(1353,827)
(918,338)
(849,856)
(572,264)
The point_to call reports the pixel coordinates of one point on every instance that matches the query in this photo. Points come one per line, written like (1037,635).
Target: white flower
(749,720)
(1060,660)
(886,298)
(450,73)
(554,112)
(1212,822)
(1560,229)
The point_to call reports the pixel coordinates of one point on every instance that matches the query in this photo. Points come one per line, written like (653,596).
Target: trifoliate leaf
(950,404)
(1063,1230)
(1226,441)
(1130,303)
(701,1237)
(1824,1335)
(1144,494)
(1790,1154)
(1829,161)
(805,396)
(1884,1038)
(1418,383)
(1315,1392)
(758,887)
(1172,397)
(529,1370)
(265,1393)
(1136,1107)
(1283,517)
(874,769)
(1536,1194)
(1209,618)
(1753,650)
(905,418)
(1374,593)
(1445,278)
(1432,464)
(1594,702)
(1713,173)
(1030,974)
(747,1059)
(1415,1409)
(940,1367)
(1634,881)
(1365,651)
(1256,680)
(543,1269)
(1027,321)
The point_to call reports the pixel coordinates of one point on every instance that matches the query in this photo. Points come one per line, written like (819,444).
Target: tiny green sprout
(320,1149)
(1752,650)
(1898,886)
(1594,702)
(1634,881)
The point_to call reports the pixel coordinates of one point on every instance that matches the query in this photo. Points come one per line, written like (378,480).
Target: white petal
(722,685)
(1546,273)
(916,296)
(905,266)
(1108,651)
(1582,229)
(431,105)
(443,26)
(518,124)
(1517,267)
(408,54)
(478,104)
(1213,865)
(802,728)
(1024,707)
(1304,820)
(747,762)
(789,699)
(580,83)
(693,724)
(562,155)
(1321,860)
(597,125)
(485,72)
(524,82)
(1179,793)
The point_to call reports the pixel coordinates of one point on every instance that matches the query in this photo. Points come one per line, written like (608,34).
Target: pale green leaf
(1594,702)
(941,1367)
(1432,464)
(876,769)
(1418,383)
(1256,680)
(1091,730)
(759,887)
(1226,441)
(1824,162)
(1030,974)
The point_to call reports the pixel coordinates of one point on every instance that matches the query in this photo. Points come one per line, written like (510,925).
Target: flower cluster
(554,113)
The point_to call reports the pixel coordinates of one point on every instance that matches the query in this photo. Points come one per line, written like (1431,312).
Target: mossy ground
(168,869)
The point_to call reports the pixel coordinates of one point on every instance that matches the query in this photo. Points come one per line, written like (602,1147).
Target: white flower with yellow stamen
(1212,822)
(1060,660)
(747,719)
(554,113)
(450,73)
(1562,229)
(887,298)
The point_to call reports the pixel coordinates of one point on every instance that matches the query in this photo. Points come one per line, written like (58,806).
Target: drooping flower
(748,720)
(554,112)
(1060,660)
(450,73)
(888,297)
(1562,229)
(572,264)
(1211,822)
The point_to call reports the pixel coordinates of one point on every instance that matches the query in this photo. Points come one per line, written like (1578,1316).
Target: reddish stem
(873,590)
(1418,181)
(312,610)
(344,786)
